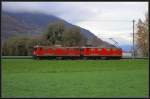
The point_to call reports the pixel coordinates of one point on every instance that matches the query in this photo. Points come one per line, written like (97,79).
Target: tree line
(55,34)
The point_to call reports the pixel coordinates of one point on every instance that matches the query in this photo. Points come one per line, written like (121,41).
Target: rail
(30,57)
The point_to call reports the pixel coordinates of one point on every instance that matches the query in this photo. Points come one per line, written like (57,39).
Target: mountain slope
(34,24)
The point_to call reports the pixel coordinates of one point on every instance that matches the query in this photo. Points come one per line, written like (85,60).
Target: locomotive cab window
(35,48)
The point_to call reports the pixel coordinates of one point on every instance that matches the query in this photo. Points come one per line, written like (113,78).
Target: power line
(107,21)
(103,20)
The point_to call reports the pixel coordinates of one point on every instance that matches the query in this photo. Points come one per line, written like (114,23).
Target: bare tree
(142,36)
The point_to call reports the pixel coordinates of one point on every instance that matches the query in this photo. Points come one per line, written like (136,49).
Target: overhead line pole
(133,53)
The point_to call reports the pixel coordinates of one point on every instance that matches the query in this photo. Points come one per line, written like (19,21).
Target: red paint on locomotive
(76,51)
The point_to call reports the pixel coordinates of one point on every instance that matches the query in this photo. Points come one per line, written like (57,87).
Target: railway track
(30,57)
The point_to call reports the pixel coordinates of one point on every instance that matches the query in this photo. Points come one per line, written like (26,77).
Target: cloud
(76,11)
(116,30)
(70,11)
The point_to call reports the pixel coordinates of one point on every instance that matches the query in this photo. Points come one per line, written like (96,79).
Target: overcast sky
(104,19)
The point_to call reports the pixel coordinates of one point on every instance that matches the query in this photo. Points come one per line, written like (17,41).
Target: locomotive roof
(71,47)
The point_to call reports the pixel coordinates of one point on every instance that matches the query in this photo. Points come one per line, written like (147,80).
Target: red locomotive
(76,52)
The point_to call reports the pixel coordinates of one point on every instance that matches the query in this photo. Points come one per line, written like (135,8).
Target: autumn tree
(142,36)
(14,46)
(20,46)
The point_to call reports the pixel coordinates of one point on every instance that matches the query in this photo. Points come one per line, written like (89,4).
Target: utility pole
(133,53)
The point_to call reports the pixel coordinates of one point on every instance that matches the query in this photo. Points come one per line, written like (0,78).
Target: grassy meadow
(74,78)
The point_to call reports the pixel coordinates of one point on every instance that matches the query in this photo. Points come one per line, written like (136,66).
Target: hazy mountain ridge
(34,24)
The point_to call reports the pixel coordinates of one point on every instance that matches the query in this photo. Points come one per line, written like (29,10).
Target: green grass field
(78,78)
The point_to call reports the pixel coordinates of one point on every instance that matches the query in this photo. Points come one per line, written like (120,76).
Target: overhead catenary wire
(96,20)
(103,36)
